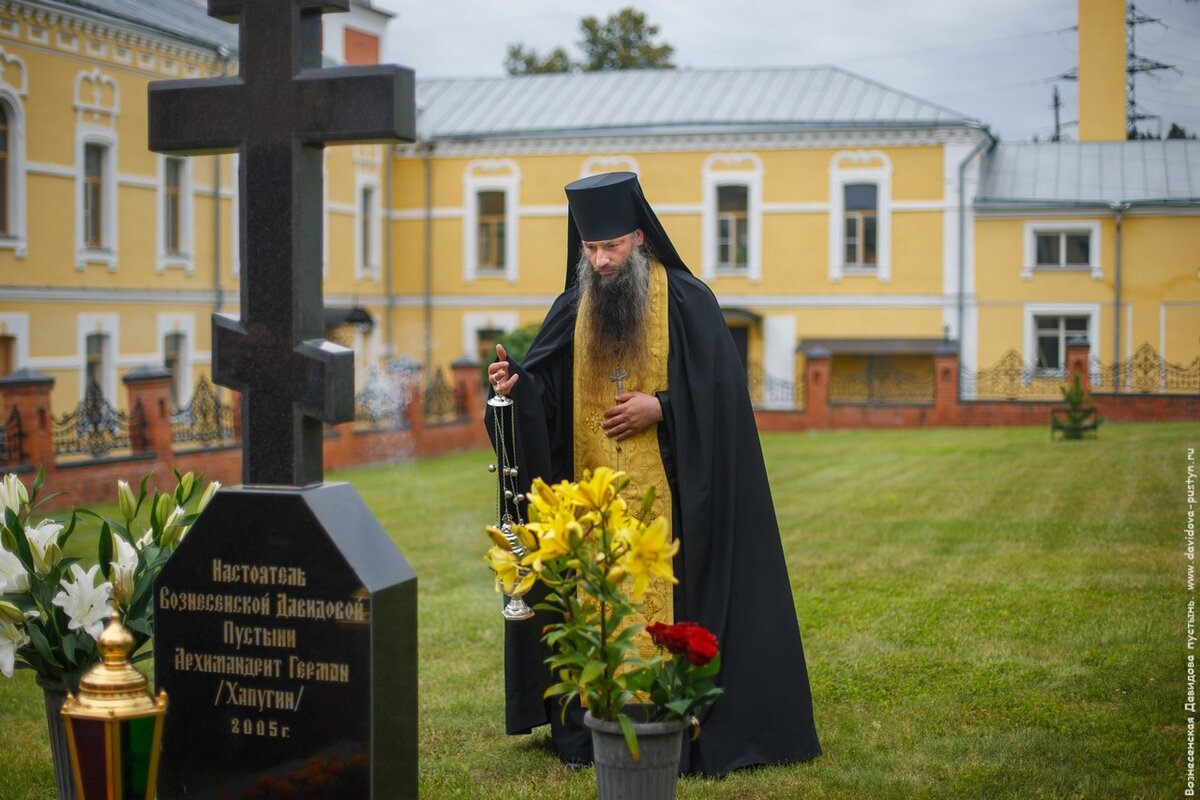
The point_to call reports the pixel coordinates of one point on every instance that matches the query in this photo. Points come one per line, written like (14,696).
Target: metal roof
(669,101)
(874,347)
(187,20)
(1091,173)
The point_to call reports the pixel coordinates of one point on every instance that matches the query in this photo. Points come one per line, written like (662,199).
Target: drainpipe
(426,152)
(389,153)
(1119,210)
(985,143)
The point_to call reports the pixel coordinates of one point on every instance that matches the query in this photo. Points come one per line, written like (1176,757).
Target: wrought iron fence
(205,420)
(95,428)
(441,401)
(768,391)
(1146,372)
(12,438)
(380,404)
(881,383)
(1010,378)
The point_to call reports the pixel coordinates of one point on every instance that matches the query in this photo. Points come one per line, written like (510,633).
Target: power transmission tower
(1137,64)
(1134,64)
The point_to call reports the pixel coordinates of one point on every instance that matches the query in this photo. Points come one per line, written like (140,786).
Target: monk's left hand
(633,413)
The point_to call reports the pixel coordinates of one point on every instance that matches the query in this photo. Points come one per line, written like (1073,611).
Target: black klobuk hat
(609,205)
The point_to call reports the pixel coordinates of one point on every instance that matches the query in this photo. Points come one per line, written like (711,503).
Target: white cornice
(93,24)
(795,140)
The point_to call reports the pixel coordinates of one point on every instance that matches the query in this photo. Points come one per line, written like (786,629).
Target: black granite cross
(279,112)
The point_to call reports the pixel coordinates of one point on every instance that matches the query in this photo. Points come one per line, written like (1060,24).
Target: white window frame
(184,324)
(732,169)
(16,325)
(1035,227)
(474,322)
(1033,310)
(185,259)
(860,166)
(16,238)
(106,254)
(502,175)
(367,254)
(110,326)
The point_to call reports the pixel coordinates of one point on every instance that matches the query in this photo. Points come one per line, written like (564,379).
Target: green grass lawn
(985,614)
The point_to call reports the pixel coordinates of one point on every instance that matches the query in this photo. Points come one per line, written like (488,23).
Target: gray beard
(616,307)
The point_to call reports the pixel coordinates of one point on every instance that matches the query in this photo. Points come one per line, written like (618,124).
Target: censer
(508,494)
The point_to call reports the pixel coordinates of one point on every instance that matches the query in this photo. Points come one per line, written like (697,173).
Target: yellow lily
(508,572)
(649,555)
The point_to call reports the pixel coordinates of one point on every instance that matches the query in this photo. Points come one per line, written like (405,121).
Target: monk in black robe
(634,368)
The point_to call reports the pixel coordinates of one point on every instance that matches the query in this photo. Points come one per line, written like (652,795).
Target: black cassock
(732,576)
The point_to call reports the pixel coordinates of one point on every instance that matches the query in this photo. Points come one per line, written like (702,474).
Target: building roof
(187,20)
(1091,174)
(669,101)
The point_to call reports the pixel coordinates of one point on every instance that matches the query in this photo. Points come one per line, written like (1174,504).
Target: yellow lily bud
(10,612)
(498,537)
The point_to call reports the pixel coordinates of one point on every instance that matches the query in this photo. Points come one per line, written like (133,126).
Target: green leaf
(105,550)
(591,671)
(42,646)
(141,494)
(630,736)
(38,483)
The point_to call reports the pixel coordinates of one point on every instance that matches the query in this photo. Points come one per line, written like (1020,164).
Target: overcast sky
(994,60)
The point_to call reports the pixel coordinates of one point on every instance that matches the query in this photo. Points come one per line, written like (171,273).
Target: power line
(958,45)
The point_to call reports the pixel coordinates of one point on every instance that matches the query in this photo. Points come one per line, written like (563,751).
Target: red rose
(673,637)
(701,646)
(656,633)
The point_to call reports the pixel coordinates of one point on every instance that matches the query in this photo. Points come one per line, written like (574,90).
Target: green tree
(624,40)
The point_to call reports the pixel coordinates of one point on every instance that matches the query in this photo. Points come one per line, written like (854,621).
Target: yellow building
(825,210)
(113,257)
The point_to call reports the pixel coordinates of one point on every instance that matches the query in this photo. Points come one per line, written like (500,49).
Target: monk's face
(610,256)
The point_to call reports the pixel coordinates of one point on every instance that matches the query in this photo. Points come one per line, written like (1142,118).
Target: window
(732,227)
(731,217)
(860,216)
(172,355)
(491,198)
(486,339)
(8,355)
(1053,333)
(93,195)
(1063,249)
(364,219)
(491,230)
(1062,245)
(860,203)
(172,205)
(94,366)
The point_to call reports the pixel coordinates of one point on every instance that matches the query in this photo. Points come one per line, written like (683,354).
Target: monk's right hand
(498,376)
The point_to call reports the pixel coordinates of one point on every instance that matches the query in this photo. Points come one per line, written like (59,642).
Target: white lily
(13,577)
(12,639)
(43,544)
(12,494)
(123,570)
(85,604)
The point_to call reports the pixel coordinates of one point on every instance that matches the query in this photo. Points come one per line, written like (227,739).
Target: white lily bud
(127,501)
(209,491)
(10,613)
(12,494)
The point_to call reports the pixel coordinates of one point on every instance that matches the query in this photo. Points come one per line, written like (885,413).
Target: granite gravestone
(286,620)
